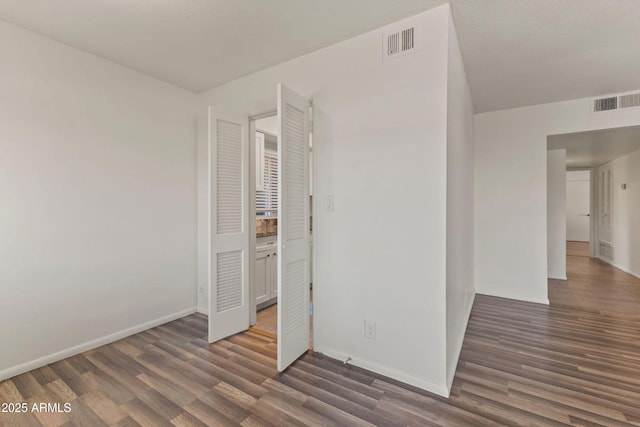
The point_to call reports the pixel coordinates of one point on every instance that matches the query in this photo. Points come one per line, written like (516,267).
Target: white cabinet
(266,278)
(262,290)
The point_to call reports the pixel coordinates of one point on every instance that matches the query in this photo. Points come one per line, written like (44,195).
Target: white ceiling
(268,124)
(517,52)
(199,44)
(595,148)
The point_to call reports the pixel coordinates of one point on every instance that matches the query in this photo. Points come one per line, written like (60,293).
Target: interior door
(229,262)
(293,226)
(578,206)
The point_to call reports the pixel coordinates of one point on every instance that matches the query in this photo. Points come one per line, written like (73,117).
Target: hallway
(594,285)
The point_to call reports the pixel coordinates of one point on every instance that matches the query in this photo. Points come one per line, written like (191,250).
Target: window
(267,198)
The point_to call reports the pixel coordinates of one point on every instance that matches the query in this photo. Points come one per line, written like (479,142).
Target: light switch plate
(328,203)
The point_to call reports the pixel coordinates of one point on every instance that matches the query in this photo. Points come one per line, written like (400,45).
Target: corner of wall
(203,226)
(451,371)
(439,389)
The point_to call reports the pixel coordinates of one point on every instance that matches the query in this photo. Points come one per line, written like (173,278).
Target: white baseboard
(81,348)
(439,389)
(608,261)
(558,278)
(452,370)
(544,301)
(203,310)
(636,275)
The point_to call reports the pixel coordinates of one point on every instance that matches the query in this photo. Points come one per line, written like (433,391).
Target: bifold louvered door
(293,227)
(229,263)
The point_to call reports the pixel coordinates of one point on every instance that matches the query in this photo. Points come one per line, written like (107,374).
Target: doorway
(598,253)
(233,242)
(268,188)
(578,213)
(265,279)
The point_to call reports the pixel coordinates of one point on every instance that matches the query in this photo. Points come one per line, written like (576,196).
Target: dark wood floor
(521,364)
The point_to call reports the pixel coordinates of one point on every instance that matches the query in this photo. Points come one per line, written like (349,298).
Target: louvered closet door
(229,263)
(293,227)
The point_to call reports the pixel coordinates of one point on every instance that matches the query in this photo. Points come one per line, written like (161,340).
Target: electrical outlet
(370,329)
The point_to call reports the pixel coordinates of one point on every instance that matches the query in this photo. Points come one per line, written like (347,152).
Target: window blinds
(267,199)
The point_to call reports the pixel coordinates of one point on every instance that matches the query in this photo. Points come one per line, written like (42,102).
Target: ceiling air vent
(399,43)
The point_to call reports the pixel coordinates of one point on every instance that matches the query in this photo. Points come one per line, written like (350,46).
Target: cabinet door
(262,286)
(273,274)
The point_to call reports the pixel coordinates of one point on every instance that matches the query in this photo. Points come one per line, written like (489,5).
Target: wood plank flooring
(267,319)
(594,285)
(578,248)
(522,364)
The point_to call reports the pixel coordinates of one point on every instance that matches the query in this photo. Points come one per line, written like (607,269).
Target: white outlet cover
(370,329)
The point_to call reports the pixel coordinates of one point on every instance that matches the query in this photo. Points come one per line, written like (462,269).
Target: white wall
(578,175)
(557,214)
(460,289)
(510,191)
(380,148)
(626,213)
(98,184)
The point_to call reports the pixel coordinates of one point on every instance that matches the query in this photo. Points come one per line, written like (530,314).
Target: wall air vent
(630,100)
(606,104)
(397,43)
(616,102)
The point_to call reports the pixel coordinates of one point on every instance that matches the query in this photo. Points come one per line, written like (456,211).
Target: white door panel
(578,207)
(293,224)
(229,262)
(605,202)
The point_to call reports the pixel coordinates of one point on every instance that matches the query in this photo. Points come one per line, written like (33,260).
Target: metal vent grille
(399,43)
(630,100)
(393,44)
(606,250)
(408,39)
(617,102)
(606,104)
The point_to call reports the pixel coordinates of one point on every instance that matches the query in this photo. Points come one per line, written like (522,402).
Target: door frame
(597,195)
(253,241)
(593,223)
(593,203)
